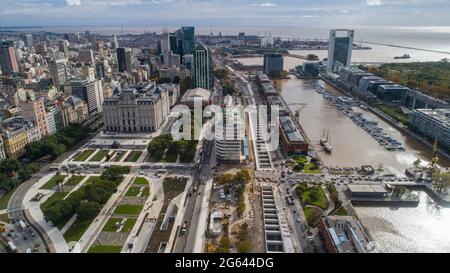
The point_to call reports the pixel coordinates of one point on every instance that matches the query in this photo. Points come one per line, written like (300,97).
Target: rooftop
(291,129)
(440,115)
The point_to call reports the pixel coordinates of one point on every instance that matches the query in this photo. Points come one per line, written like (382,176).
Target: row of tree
(56,144)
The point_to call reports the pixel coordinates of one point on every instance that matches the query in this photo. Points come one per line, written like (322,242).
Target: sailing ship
(325,141)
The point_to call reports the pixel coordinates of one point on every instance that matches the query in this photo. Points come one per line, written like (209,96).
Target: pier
(405,47)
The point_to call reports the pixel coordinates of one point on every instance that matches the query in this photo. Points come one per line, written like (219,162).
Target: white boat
(325,142)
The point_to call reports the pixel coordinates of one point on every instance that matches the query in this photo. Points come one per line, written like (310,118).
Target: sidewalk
(55,235)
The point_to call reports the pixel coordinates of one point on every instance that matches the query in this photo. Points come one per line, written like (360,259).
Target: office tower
(273,64)
(124,59)
(229,136)
(339,49)
(174,43)
(8,61)
(165,43)
(99,70)
(87,34)
(2,149)
(91,92)
(188,61)
(136,111)
(86,56)
(58,72)
(64,47)
(114,43)
(203,68)
(34,110)
(188,40)
(29,40)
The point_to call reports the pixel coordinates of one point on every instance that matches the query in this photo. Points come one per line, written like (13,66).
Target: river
(420,229)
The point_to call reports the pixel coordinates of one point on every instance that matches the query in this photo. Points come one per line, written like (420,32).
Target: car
(25,238)
(298,220)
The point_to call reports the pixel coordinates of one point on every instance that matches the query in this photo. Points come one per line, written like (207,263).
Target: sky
(210,13)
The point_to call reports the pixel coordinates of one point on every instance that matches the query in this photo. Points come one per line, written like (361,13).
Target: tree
(88,210)
(9,166)
(27,171)
(6,183)
(114,173)
(245,247)
(417,163)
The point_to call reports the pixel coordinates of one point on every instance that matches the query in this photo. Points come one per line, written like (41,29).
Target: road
(16,208)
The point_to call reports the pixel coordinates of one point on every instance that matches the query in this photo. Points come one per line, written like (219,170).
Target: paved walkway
(141,239)
(55,235)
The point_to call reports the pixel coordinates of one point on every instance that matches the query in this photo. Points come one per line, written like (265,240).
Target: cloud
(265,5)
(374,2)
(73,2)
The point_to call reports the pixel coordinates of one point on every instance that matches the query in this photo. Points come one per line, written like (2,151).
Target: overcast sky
(321,13)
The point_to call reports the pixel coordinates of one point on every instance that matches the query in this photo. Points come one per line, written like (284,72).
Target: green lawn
(128,209)
(110,226)
(57,196)
(341,211)
(312,216)
(173,187)
(133,156)
(104,249)
(52,182)
(4,200)
(140,181)
(129,224)
(134,191)
(84,155)
(309,171)
(4,218)
(119,156)
(74,180)
(321,201)
(99,156)
(395,112)
(77,230)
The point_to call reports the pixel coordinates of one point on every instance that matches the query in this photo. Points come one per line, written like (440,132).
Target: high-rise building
(64,48)
(2,150)
(188,40)
(165,42)
(124,59)
(8,61)
(230,135)
(34,110)
(273,64)
(86,56)
(88,71)
(91,92)
(58,72)
(203,68)
(29,40)
(339,49)
(114,43)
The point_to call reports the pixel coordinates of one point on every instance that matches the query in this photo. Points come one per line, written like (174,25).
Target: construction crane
(299,110)
(432,166)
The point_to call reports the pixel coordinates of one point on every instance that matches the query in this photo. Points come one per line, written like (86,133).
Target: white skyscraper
(339,49)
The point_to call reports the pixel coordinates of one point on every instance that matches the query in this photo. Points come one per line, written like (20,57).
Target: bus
(22,225)
(12,246)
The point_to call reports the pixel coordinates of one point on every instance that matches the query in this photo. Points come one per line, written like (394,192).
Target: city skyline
(224,13)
